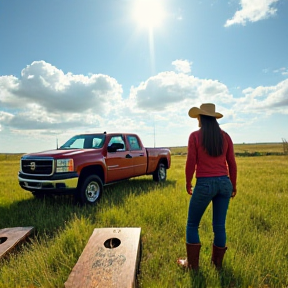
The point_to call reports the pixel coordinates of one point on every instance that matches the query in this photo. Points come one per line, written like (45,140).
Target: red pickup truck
(88,162)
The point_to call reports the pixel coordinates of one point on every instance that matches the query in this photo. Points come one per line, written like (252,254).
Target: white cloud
(253,11)
(52,90)
(45,102)
(170,90)
(182,66)
(163,90)
(214,91)
(265,100)
(44,97)
(283,71)
(8,84)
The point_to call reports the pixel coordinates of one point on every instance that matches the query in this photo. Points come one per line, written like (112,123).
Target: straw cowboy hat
(207,109)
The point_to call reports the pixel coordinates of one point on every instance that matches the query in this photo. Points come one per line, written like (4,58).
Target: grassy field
(257,228)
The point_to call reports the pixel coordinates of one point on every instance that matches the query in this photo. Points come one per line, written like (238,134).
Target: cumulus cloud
(44,97)
(8,84)
(48,87)
(182,66)
(253,11)
(265,100)
(165,90)
(45,100)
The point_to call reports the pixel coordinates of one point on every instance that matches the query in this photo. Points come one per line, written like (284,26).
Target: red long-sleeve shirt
(208,166)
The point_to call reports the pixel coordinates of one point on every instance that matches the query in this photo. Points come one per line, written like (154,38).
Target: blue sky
(68,67)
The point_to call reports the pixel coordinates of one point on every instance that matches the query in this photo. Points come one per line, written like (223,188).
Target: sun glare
(148,13)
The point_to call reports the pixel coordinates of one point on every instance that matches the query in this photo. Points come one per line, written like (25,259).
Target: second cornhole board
(110,259)
(10,237)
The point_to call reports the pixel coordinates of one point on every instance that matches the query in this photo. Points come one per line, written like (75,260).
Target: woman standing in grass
(211,155)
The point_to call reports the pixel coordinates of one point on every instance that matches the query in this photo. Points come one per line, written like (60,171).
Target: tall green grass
(257,226)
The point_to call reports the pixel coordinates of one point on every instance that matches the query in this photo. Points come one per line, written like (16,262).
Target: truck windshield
(88,141)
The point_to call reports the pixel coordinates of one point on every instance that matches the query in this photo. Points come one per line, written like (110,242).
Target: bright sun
(148,13)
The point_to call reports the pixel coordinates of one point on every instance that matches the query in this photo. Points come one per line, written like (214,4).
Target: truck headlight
(64,165)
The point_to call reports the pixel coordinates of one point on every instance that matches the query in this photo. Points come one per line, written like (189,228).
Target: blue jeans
(207,189)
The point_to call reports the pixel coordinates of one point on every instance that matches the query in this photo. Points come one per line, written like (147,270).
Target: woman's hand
(233,194)
(189,189)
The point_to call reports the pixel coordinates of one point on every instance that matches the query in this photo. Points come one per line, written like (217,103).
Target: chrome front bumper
(59,184)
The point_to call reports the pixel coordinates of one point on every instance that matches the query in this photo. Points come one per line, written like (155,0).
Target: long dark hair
(212,139)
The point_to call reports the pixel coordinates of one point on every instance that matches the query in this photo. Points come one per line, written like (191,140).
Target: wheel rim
(162,172)
(92,191)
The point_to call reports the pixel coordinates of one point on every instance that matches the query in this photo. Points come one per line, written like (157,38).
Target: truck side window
(117,140)
(134,143)
(98,142)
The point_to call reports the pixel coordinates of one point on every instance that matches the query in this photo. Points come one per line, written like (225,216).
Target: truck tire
(160,173)
(91,190)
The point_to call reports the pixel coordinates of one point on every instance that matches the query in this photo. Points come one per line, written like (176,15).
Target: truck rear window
(133,143)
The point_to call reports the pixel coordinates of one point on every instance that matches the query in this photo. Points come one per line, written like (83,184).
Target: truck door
(138,154)
(118,161)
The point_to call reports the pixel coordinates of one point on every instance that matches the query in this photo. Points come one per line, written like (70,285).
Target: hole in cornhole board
(2,239)
(112,243)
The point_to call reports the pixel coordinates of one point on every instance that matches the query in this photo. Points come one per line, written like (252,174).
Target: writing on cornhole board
(110,259)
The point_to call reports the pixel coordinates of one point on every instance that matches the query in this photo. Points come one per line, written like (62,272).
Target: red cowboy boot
(217,256)
(192,260)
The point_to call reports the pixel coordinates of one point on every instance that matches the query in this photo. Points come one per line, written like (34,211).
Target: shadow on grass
(198,279)
(46,215)
(51,213)
(117,194)
(229,279)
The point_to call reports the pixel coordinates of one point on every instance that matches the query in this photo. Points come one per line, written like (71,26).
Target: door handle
(128,156)
(142,154)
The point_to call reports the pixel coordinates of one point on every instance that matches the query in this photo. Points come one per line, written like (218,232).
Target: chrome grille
(37,166)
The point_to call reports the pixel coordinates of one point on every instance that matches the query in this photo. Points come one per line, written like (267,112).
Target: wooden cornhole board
(10,237)
(110,259)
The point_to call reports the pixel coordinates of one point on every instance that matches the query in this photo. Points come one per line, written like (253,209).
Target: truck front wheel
(160,173)
(91,190)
